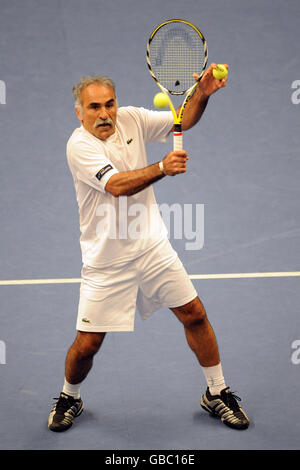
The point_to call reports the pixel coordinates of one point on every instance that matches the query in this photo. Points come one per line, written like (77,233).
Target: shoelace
(64,403)
(231,400)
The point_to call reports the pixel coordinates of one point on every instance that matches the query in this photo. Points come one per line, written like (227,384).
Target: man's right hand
(175,162)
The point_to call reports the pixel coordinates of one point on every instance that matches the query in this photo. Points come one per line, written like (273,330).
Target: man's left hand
(208,83)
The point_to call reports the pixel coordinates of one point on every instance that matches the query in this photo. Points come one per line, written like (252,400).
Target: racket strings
(176,52)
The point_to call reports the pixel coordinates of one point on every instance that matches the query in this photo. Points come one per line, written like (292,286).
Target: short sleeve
(89,165)
(156,125)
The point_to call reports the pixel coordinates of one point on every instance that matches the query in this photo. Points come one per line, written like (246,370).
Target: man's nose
(103,114)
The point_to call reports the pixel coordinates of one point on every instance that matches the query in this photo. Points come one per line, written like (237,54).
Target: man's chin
(103,132)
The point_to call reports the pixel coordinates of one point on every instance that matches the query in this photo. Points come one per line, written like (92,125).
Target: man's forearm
(194,109)
(127,183)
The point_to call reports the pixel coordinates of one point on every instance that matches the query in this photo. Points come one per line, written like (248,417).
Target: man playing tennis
(120,272)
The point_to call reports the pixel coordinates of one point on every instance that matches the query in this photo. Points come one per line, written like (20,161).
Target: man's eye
(94,106)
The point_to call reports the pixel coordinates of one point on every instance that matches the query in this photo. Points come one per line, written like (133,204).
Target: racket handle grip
(177,137)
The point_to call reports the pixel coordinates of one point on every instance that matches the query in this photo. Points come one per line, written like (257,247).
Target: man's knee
(192,314)
(88,344)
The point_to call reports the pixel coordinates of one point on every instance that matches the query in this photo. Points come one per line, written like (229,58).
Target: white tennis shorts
(109,296)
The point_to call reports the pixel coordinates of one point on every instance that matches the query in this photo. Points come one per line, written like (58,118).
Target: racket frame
(177,133)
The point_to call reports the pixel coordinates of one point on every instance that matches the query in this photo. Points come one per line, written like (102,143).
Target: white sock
(70,389)
(214,378)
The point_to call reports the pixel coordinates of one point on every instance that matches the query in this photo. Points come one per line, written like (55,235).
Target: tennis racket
(176,49)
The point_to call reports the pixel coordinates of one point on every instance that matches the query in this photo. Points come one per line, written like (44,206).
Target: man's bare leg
(201,339)
(79,359)
(218,400)
(199,333)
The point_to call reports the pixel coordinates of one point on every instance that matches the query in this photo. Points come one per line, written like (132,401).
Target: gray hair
(88,80)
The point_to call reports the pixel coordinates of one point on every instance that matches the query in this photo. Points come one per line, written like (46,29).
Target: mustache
(102,122)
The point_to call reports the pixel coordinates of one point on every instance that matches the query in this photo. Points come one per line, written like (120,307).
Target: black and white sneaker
(226,407)
(63,412)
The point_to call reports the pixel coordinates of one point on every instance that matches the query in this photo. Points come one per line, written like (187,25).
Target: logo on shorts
(102,172)
(85,320)
(129,141)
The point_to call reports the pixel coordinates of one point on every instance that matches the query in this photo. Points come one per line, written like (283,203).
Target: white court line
(22,282)
(192,276)
(244,275)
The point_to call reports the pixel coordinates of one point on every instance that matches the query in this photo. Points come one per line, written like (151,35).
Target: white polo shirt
(116,230)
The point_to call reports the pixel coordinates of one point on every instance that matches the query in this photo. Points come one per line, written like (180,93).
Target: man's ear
(78,114)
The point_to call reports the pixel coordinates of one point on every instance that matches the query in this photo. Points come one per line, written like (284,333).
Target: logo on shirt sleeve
(104,170)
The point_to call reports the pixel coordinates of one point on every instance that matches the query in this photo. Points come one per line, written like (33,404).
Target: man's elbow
(116,190)
(113,190)
(112,186)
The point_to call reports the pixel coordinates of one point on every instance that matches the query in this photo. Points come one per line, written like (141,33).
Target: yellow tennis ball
(161,100)
(220,72)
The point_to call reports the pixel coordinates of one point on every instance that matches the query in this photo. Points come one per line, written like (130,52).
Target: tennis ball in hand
(220,72)
(161,100)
